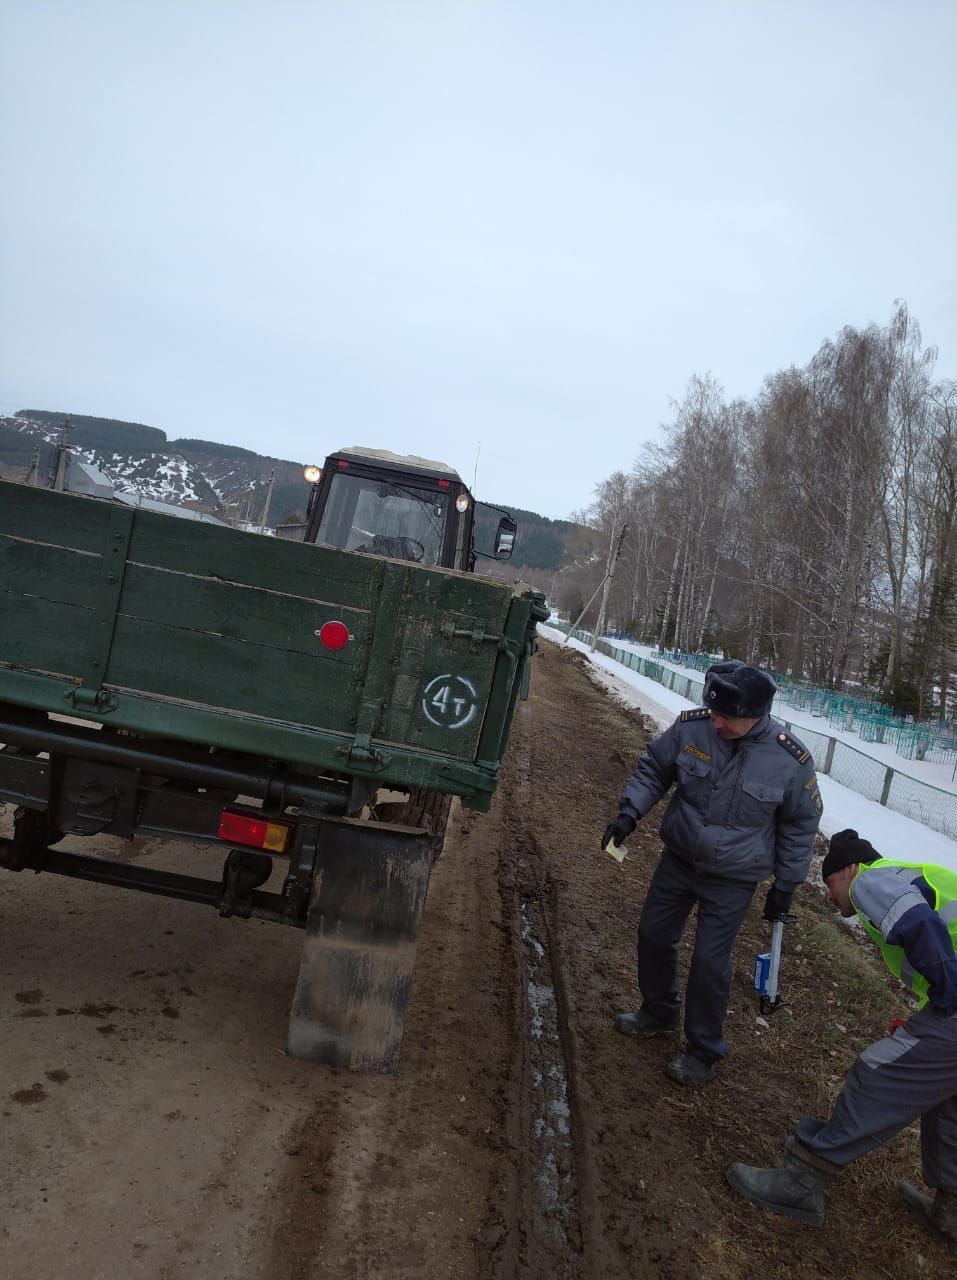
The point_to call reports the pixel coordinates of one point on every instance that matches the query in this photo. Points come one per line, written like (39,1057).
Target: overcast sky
(493,231)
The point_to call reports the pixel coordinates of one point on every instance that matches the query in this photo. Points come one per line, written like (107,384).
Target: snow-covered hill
(205,479)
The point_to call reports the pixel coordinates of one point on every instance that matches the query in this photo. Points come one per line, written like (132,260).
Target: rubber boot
(794,1188)
(643,1024)
(937,1215)
(689,1070)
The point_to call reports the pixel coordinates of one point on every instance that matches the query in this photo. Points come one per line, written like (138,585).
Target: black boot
(643,1024)
(794,1189)
(689,1070)
(937,1215)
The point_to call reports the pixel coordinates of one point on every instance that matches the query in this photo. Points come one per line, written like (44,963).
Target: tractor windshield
(384,519)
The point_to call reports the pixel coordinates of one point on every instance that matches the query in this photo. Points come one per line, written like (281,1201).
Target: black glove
(777,903)
(619,830)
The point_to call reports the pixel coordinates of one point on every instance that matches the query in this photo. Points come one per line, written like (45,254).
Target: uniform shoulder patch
(696,713)
(801,754)
(812,788)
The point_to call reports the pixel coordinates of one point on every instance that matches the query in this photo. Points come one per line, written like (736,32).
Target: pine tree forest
(812,529)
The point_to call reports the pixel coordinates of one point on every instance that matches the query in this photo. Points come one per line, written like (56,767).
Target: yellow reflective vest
(941,880)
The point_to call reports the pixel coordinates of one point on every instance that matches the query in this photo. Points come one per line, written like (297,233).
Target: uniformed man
(910,911)
(746,806)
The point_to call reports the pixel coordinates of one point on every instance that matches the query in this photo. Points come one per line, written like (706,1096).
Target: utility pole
(574,626)
(262,518)
(614,551)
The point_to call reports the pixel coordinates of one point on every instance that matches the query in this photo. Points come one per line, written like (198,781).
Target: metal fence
(929,805)
(862,773)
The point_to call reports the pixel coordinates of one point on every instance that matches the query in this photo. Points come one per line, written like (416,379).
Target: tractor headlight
(462,502)
(312,474)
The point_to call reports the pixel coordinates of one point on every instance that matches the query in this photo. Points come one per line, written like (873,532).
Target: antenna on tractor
(475,469)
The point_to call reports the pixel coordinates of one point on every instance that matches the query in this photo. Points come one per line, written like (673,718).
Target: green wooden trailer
(289,702)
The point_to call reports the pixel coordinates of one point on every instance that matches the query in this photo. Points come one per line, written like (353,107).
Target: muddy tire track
(550,1205)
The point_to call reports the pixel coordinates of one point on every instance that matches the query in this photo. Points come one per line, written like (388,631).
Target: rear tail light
(258,833)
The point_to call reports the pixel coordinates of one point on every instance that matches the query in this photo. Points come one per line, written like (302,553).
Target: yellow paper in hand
(617,851)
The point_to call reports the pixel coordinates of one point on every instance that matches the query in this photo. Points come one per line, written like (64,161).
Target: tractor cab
(385,504)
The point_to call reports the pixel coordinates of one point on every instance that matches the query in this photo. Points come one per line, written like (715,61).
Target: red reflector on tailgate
(334,635)
(257,832)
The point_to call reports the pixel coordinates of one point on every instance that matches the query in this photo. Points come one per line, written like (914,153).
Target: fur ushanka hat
(735,689)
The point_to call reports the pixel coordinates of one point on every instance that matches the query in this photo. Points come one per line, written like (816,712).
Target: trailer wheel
(33,827)
(429,809)
(32,835)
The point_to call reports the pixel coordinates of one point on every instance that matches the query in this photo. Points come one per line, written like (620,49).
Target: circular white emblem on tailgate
(450,701)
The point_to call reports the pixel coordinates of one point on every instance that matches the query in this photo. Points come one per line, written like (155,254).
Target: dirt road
(152,1126)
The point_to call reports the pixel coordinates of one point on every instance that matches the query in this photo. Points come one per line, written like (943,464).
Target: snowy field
(891,833)
(936,774)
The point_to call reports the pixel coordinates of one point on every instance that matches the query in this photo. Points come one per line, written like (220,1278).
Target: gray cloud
(426,225)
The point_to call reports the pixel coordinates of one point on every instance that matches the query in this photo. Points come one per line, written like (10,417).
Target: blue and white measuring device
(767,966)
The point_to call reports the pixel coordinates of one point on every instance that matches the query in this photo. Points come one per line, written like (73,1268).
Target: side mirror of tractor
(505,538)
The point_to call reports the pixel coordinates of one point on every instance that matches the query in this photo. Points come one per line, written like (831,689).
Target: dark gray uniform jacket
(741,810)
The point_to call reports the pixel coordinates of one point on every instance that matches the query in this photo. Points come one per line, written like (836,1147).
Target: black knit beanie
(735,689)
(846,847)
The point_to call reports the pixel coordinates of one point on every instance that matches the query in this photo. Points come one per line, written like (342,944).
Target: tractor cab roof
(407,463)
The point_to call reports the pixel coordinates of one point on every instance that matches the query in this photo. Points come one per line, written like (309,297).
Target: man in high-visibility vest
(909,908)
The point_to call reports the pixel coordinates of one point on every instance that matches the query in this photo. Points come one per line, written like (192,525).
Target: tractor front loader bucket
(355,974)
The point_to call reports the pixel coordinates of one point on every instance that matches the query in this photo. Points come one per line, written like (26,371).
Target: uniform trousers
(674,891)
(909,1074)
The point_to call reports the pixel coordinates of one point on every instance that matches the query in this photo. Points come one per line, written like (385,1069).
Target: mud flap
(355,974)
